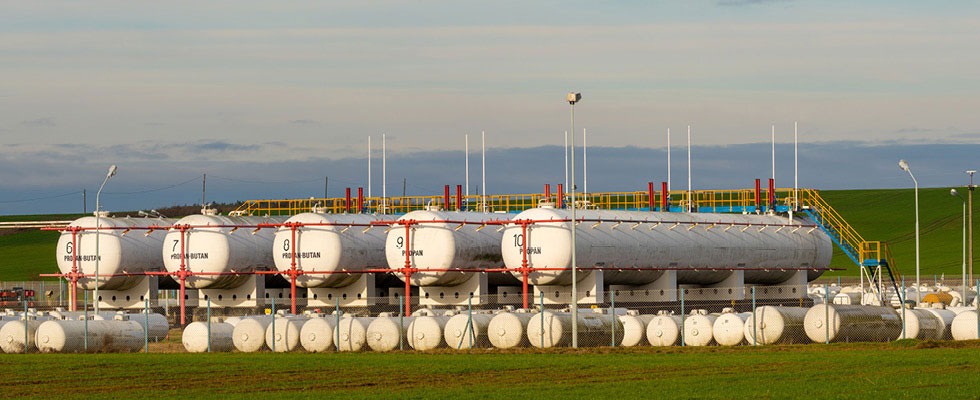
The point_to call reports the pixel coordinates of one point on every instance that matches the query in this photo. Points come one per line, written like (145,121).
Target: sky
(269,98)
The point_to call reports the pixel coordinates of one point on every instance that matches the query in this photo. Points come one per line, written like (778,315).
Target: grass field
(906,369)
(886,215)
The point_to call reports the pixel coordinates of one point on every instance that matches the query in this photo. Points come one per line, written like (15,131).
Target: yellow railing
(718,200)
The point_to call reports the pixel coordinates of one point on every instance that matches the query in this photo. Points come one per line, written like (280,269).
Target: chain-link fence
(689,316)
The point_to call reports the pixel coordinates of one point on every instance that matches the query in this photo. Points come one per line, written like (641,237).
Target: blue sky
(289,91)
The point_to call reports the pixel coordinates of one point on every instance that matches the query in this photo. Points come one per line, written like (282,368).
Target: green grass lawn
(906,369)
(886,215)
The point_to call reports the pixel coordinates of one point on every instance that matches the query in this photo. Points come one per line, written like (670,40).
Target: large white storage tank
(635,328)
(852,323)
(69,336)
(696,252)
(249,333)
(594,329)
(698,328)
(964,326)
(506,329)
(132,251)
(195,337)
(447,245)
(729,328)
(922,325)
(317,335)
(385,334)
(772,325)
(334,242)
(216,245)
(664,330)
(465,330)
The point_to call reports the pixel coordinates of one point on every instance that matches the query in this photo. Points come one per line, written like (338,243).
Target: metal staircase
(873,256)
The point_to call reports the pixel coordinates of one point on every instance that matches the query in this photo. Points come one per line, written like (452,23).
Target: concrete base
(284,297)
(250,294)
(513,295)
(458,295)
(132,298)
(732,288)
(395,294)
(795,287)
(663,289)
(360,293)
(589,291)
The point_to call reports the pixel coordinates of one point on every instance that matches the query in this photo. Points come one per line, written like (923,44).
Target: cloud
(44,122)
(304,122)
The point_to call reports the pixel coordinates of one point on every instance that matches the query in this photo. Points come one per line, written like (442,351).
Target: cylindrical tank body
(506,329)
(317,335)
(68,336)
(447,245)
(249,334)
(946,316)
(635,329)
(119,250)
(964,326)
(233,320)
(195,337)
(460,335)
(12,336)
(729,328)
(848,298)
(425,332)
(698,329)
(664,330)
(158,325)
(345,242)
(922,325)
(663,240)
(220,248)
(594,329)
(352,333)
(384,334)
(852,323)
(776,325)
(286,334)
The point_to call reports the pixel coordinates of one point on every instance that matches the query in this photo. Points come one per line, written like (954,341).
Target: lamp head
(903,165)
(112,171)
(971,172)
(953,192)
(573,98)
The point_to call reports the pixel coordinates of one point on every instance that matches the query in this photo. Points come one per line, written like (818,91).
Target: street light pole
(573,98)
(905,165)
(98,232)
(969,231)
(954,193)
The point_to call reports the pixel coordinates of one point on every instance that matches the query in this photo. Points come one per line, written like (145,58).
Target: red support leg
(650,198)
(459,197)
(408,269)
(561,196)
(772,195)
(758,195)
(292,269)
(183,278)
(664,199)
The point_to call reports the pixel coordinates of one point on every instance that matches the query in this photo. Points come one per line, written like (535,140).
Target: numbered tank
(444,242)
(125,245)
(703,248)
(329,243)
(220,244)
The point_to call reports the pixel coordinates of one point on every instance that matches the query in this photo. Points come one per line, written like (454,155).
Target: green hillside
(886,215)
(889,215)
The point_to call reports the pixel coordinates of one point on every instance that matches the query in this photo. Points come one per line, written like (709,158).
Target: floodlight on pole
(573,98)
(98,231)
(905,166)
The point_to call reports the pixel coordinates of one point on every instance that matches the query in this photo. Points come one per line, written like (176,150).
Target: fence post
(683,316)
(25,324)
(542,320)
(755,321)
(401,323)
(612,310)
(826,312)
(336,313)
(272,302)
(901,299)
(209,326)
(978,308)
(469,322)
(86,320)
(146,325)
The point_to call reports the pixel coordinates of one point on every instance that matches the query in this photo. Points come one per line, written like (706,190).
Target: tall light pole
(98,231)
(905,166)
(969,231)
(953,192)
(573,98)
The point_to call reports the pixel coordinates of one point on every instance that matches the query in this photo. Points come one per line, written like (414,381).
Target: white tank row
(509,328)
(705,248)
(66,332)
